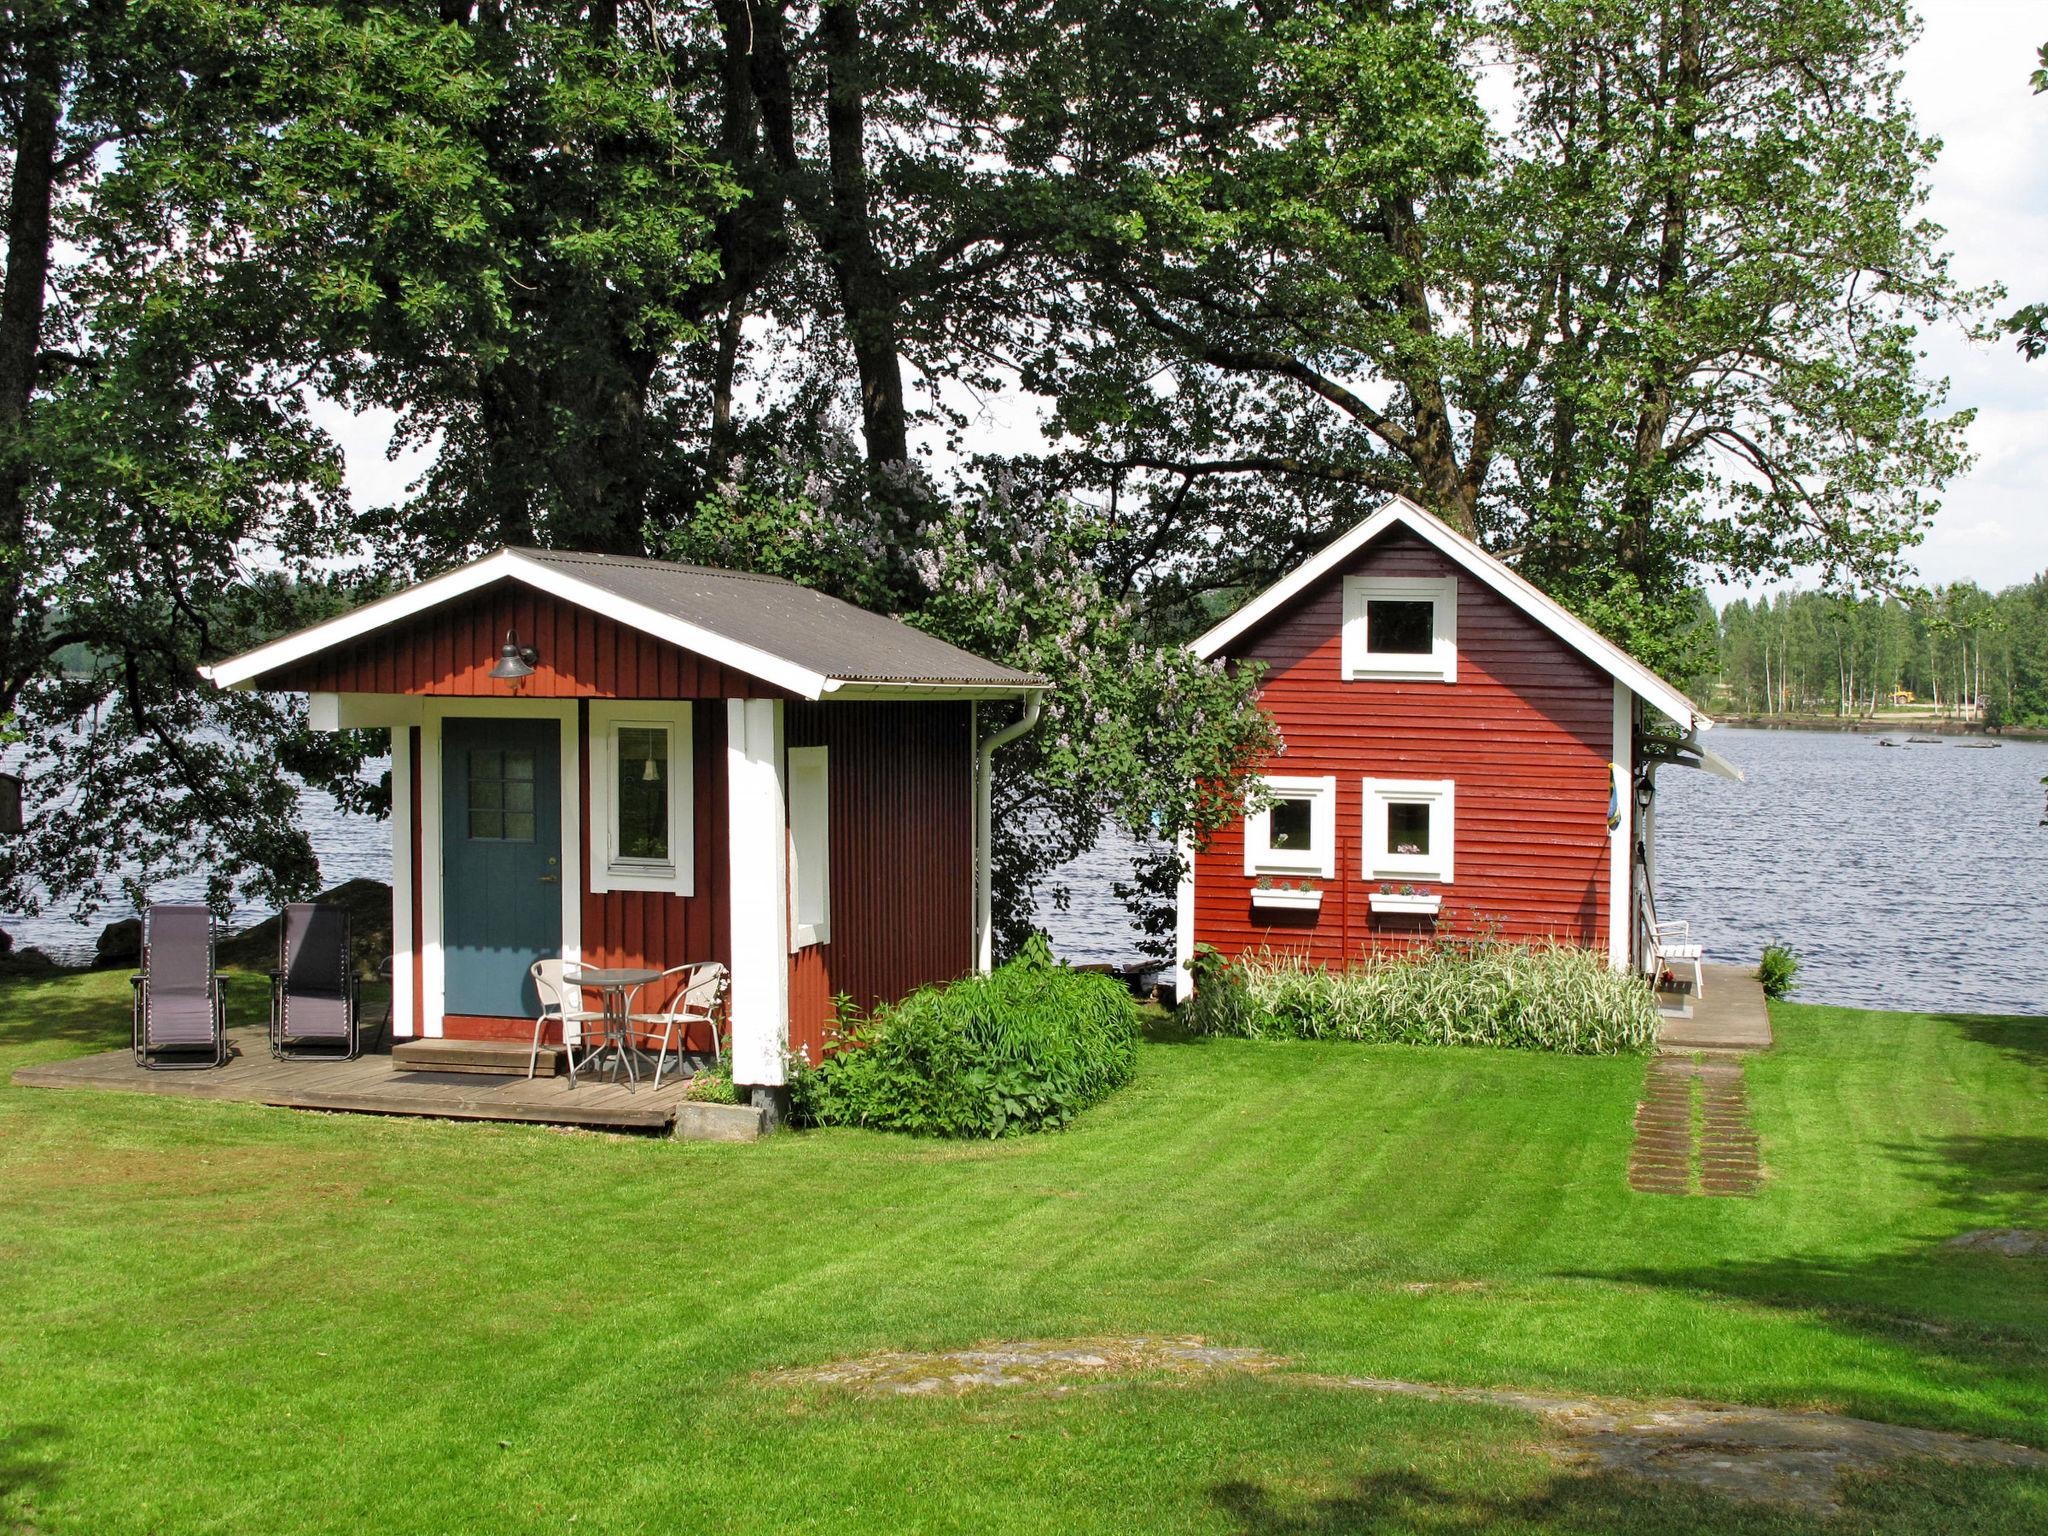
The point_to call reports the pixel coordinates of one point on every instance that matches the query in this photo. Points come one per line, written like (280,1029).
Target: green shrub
(1540,997)
(713,1085)
(1778,970)
(1024,1048)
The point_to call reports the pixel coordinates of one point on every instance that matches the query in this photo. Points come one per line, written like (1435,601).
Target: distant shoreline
(1866,726)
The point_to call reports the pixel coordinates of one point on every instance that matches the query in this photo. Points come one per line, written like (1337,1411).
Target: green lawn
(227,1318)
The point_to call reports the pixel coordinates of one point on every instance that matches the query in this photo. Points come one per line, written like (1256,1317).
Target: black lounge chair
(314,995)
(177,997)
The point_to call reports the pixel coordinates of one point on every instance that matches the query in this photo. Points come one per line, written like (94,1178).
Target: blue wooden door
(501,860)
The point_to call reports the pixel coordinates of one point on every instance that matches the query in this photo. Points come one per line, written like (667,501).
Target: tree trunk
(23,297)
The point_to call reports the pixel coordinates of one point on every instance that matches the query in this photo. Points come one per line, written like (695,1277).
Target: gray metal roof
(805,628)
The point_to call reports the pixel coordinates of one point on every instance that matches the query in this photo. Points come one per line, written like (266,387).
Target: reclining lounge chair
(314,995)
(177,998)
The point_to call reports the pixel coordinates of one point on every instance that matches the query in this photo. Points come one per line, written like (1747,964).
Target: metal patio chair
(315,998)
(689,994)
(554,994)
(176,1000)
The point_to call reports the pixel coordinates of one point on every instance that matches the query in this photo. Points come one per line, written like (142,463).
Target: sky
(1968,82)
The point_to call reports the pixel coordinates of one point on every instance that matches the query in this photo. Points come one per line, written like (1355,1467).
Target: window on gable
(1401,628)
(1410,829)
(1296,832)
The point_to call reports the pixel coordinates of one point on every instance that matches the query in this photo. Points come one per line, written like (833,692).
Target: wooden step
(483,1058)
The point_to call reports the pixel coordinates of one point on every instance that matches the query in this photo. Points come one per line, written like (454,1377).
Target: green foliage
(1778,970)
(1959,650)
(1528,997)
(713,1085)
(1025,1048)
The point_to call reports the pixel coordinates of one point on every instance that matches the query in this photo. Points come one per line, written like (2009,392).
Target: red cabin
(1461,755)
(636,763)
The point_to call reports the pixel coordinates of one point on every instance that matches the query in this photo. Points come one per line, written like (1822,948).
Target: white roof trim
(240,671)
(1588,642)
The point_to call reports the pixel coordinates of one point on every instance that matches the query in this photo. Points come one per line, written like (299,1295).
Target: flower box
(1423,906)
(1287,901)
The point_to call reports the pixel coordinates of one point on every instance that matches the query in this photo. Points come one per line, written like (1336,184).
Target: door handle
(550,879)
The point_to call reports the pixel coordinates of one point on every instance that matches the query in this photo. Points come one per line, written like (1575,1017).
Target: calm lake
(1908,877)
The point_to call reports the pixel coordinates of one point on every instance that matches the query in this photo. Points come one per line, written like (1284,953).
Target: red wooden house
(694,765)
(1460,755)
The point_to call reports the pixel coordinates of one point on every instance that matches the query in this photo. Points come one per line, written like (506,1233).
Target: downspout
(984,837)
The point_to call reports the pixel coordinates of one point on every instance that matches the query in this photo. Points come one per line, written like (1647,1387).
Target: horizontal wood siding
(1525,732)
(450,651)
(902,849)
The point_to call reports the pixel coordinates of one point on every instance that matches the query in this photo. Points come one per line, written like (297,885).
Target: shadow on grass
(1925,1499)
(1974,1321)
(91,1008)
(2023,1039)
(27,1472)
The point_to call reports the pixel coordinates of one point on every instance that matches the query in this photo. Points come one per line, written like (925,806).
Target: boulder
(26,962)
(368,904)
(120,945)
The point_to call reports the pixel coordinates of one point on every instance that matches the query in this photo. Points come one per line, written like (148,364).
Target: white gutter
(984,836)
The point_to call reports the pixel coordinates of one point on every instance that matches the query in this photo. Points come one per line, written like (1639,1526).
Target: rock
(2012,1242)
(26,962)
(368,904)
(120,944)
(6,942)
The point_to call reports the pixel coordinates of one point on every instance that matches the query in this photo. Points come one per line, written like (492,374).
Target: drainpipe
(984,839)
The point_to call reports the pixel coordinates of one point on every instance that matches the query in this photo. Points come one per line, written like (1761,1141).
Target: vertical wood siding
(902,854)
(1525,732)
(450,651)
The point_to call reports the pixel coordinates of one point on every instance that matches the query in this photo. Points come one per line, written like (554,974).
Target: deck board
(372,1084)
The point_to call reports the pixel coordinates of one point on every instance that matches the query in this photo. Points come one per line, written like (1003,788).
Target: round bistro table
(616,984)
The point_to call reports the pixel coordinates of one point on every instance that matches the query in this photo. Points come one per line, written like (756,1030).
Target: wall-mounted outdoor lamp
(515,661)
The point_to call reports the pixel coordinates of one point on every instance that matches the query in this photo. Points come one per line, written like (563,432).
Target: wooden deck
(1728,1017)
(373,1084)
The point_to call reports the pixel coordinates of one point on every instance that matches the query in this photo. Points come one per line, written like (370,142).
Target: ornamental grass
(1535,997)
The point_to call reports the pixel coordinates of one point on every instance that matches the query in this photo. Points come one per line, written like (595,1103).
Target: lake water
(1908,877)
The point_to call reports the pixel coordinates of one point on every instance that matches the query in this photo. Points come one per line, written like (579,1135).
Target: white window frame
(1262,858)
(1360,661)
(675,876)
(1439,864)
(810,846)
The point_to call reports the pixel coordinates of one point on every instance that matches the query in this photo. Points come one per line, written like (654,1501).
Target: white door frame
(438,709)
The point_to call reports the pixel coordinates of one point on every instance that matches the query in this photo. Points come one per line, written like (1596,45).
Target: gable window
(1410,829)
(640,796)
(810,846)
(1398,627)
(1296,834)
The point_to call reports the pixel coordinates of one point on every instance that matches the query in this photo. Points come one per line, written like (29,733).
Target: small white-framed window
(1411,828)
(641,810)
(810,846)
(1401,627)
(1296,834)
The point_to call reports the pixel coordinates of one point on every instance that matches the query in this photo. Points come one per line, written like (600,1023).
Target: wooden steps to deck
(481,1058)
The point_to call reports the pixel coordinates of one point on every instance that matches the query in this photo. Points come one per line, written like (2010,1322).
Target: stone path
(1693,1134)
(1731,1016)
(1764,1454)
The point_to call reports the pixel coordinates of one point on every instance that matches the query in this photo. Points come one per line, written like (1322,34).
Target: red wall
(450,650)
(1526,732)
(902,849)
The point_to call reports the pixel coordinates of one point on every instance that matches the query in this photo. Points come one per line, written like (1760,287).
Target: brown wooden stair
(483,1058)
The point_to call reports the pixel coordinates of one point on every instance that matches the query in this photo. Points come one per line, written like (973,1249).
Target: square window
(518,826)
(1410,829)
(1407,827)
(501,795)
(486,825)
(1401,628)
(1397,627)
(1292,825)
(1296,832)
